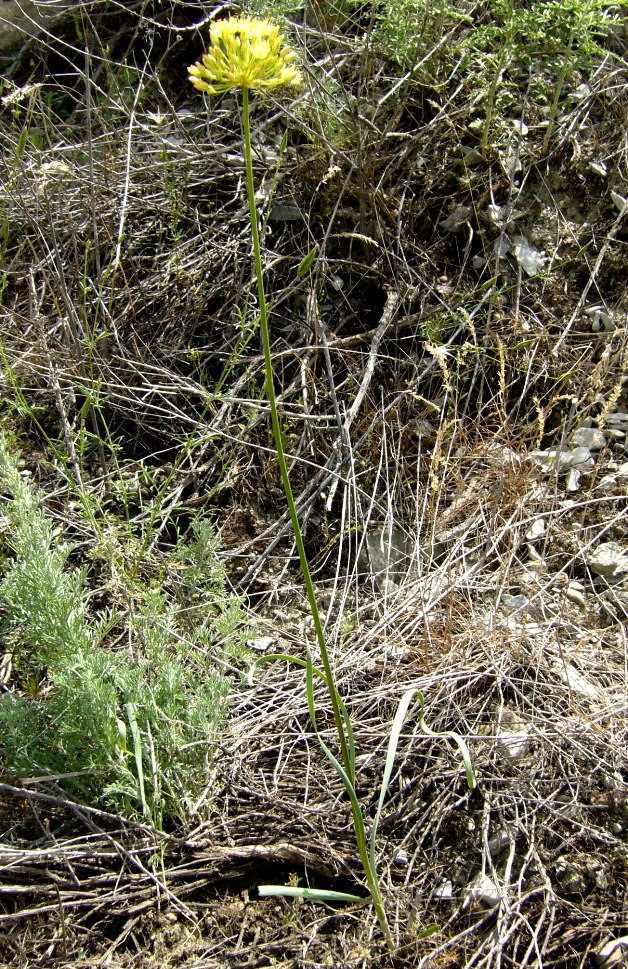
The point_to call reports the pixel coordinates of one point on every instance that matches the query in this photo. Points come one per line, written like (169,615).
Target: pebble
(456,219)
(445,891)
(607,484)
(500,840)
(600,318)
(401,858)
(536,530)
(262,643)
(619,417)
(572,877)
(577,682)
(518,605)
(529,258)
(614,606)
(575,593)
(513,746)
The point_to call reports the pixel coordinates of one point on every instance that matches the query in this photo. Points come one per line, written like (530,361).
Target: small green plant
(247,54)
(493,44)
(418,34)
(129,727)
(548,41)
(45,599)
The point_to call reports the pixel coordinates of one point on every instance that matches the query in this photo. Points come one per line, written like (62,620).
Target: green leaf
(312,894)
(457,739)
(393,743)
(21,142)
(137,749)
(306,263)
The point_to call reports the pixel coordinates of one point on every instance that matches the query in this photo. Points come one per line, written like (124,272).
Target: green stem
(281,455)
(370,872)
(554,109)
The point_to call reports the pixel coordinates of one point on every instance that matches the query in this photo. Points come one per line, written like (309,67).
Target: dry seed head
(245,53)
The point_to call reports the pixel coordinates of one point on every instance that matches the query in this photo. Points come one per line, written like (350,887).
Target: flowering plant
(245,53)
(248,53)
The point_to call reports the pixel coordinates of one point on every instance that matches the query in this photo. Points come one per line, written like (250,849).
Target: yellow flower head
(245,52)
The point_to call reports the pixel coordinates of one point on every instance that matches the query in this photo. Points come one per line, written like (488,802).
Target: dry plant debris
(450,326)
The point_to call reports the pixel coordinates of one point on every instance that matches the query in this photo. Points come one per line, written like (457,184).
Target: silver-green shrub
(130,727)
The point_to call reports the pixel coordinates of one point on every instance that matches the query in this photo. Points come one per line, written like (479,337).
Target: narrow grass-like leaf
(306,263)
(312,894)
(359,826)
(137,749)
(288,658)
(348,782)
(457,739)
(395,733)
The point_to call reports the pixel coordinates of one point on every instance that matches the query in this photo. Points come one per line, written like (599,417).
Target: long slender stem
(370,872)
(281,455)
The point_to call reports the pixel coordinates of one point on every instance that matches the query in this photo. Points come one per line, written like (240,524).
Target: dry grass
(417,370)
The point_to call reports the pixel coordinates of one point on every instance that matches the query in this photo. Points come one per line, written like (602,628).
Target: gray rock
(563,459)
(470,156)
(499,841)
(571,876)
(600,318)
(445,891)
(513,737)
(457,218)
(577,682)
(519,606)
(285,212)
(529,258)
(607,559)
(19,21)
(501,247)
(483,889)
(619,418)
(575,593)
(536,530)
(614,605)
(386,555)
(589,437)
(502,216)
(261,643)
(579,458)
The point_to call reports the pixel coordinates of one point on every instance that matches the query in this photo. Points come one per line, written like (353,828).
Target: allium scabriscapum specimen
(251,54)
(245,53)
